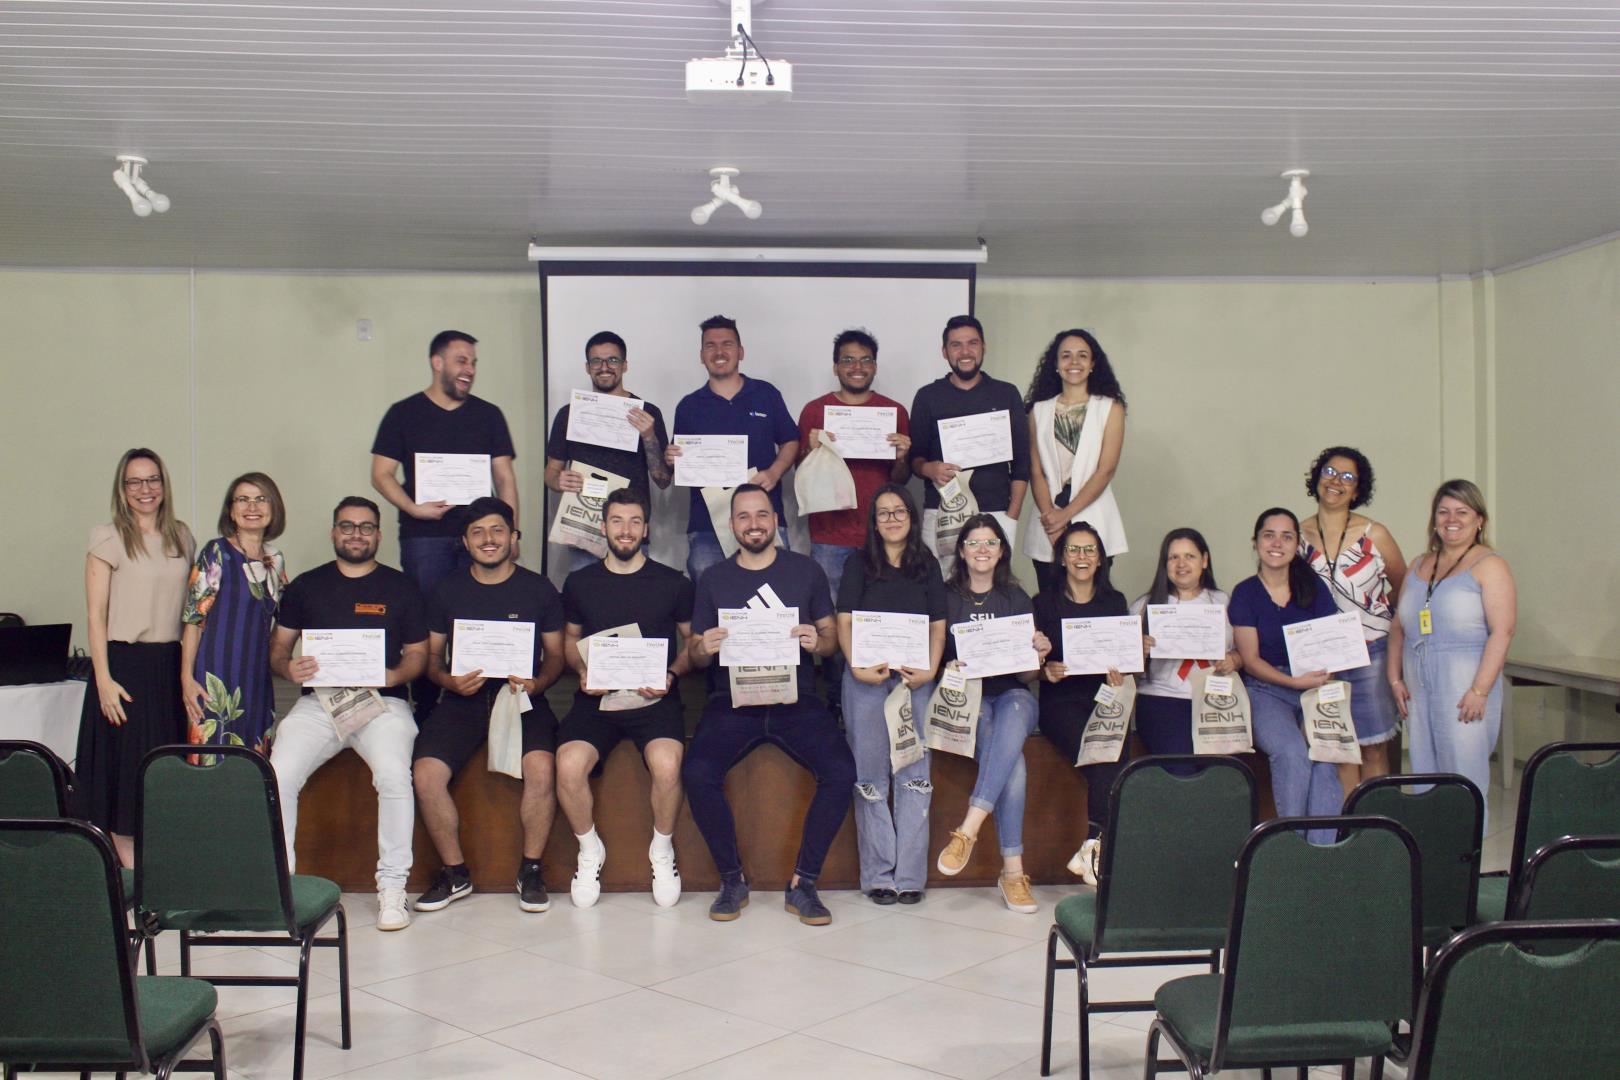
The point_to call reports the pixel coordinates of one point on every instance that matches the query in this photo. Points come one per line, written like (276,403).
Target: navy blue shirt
(1252,605)
(796,580)
(758,412)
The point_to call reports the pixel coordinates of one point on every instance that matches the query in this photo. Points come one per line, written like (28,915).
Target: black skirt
(109,761)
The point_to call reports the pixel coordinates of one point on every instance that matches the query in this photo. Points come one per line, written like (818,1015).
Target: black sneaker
(884,897)
(732,899)
(446,889)
(531,887)
(801,900)
(911,896)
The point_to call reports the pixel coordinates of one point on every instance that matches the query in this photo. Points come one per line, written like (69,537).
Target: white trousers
(306,740)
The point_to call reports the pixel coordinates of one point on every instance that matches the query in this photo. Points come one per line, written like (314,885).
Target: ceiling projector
(742,74)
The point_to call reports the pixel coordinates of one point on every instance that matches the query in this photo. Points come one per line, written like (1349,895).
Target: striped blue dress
(233,598)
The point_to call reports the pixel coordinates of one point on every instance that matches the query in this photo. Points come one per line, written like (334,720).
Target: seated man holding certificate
(494,628)
(759,620)
(365,639)
(628,621)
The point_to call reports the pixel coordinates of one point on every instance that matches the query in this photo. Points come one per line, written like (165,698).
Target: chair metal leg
(302,1012)
(185,952)
(1303,1073)
(1189,1061)
(151,955)
(1349,1071)
(343,972)
(1083,977)
(1046,1015)
(216,1043)
(1150,1064)
(1377,1070)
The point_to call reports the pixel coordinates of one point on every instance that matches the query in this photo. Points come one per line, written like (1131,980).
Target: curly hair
(1046,382)
(1364,473)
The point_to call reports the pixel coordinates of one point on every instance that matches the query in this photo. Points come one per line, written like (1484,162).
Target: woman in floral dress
(231,601)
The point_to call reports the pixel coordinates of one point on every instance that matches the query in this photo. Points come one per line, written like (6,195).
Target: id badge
(1425,622)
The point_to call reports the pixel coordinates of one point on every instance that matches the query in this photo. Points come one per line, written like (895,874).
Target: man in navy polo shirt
(731,403)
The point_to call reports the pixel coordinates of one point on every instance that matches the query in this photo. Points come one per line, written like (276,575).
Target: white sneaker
(586,888)
(1085,862)
(391,911)
(666,879)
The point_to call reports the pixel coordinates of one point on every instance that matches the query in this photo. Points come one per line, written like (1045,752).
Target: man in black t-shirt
(605,364)
(763,575)
(354,592)
(443,419)
(625,591)
(494,589)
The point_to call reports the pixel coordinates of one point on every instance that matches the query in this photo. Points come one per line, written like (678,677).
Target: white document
(627,663)
(899,639)
(1334,643)
(495,647)
(712,461)
(759,637)
(861,431)
(457,479)
(982,439)
(347,657)
(1002,646)
(1092,646)
(1187,631)
(602,419)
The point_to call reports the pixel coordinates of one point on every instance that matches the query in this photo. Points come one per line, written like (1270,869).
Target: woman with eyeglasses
(1284,591)
(1361,566)
(230,605)
(1076,432)
(893,572)
(981,586)
(1066,700)
(134,587)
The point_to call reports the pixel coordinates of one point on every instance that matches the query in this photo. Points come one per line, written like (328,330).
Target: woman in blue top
(1283,592)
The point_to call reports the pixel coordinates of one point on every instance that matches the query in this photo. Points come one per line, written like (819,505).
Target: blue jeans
(831,558)
(1005,721)
(1299,786)
(893,846)
(703,551)
(428,560)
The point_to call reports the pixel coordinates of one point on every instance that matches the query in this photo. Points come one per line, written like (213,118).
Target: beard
(755,547)
(965,375)
(624,554)
(452,389)
(355,560)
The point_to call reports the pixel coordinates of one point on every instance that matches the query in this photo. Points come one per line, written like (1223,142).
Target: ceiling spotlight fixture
(724,192)
(142,199)
(1295,202)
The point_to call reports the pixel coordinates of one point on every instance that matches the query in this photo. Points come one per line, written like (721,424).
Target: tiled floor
(951,987)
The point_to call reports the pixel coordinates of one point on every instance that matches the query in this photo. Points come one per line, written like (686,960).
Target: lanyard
(1434,582)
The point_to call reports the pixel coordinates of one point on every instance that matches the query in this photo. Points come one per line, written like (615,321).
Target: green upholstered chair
(69,998)
(1577,877)
(1446,820)
(34,783)
(210,857)
(1165,885)
(1517,999)
(1323,955)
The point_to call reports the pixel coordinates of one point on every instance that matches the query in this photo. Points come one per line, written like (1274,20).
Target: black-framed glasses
(897,514)
(135,483)
(1329,472)
(614,362)
(1087,550)
(856,361)
(364,528)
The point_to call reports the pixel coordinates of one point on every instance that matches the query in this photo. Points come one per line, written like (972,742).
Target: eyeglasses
(135,483)
(349,528)
(250,500)
(1080,549)
(856,361)
(900,514)
(971,545)
(607,361)
(1329,472)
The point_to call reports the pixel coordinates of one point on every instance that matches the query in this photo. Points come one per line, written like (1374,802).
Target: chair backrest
(1169,850)
(1560,795)
(68,991)
(1495,1005)
(33,781)
(1577,877)
(209,839)
(1321,933)
(1446,819)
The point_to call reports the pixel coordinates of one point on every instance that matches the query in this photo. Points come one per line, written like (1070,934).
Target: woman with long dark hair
(1076,432)
(134,587)
(981,586)
(891,573)
(1284,591)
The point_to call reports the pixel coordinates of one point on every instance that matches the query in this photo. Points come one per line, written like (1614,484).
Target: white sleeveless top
(1357,581)
(1103,513)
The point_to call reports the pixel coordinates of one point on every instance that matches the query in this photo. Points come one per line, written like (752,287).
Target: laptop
(34,654)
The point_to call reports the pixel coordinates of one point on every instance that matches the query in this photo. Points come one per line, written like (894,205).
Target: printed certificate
(861,431)
(603,419)
(1187,631)
(347,657)
(1092,646)
(457,479)
(627,663)
(497,648)
(712,461)
(759,637)
(1335,643)
(899,639)
(981,439)
(1002,646)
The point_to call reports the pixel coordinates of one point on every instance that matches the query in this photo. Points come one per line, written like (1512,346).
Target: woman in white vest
(1076,432)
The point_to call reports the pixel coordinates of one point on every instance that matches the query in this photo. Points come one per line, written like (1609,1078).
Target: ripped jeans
(893,846)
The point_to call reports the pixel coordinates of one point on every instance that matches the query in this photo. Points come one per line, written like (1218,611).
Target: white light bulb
(1272,214)
(1297,225)
(700,214)
(160,203)
(751,209)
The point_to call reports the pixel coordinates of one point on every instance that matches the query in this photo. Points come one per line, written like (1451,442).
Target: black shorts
(459,726)
(603,730)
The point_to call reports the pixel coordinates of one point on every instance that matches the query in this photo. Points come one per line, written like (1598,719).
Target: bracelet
(1481,693)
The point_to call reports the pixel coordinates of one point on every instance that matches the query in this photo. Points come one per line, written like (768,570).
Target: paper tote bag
(579,516)
(823,482)
(1103,740)
(905,744)
(1328,730)
(506,734)
(953,718)
(956,505)
(1220,717)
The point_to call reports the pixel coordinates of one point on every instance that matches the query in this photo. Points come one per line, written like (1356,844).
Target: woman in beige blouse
(134,586)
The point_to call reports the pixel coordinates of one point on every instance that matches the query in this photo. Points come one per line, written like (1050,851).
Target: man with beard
(443,419)
(760,574)
(835,534)
(998,487)
(493,589)
(605,364)
(731,403)
(625,591)
(354,592)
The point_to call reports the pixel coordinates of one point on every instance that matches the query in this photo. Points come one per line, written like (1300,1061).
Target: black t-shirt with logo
(523,597)
(797,582)
(417,425)
(656,598)
(630,464)
(326,599)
